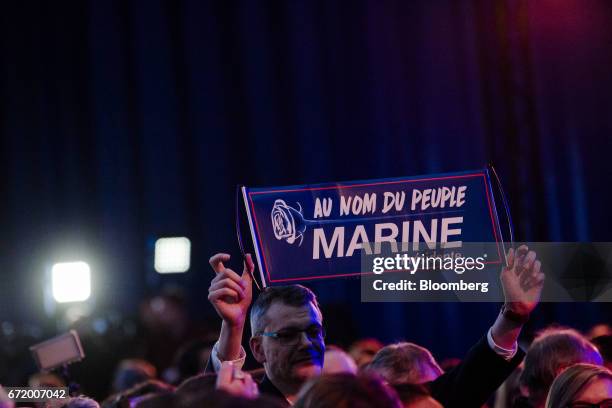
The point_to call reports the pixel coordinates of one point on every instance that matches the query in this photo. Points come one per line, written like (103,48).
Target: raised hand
(522,280)
(231,294)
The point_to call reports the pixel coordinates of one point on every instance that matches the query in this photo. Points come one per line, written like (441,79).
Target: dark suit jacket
(468,385)
(475,379)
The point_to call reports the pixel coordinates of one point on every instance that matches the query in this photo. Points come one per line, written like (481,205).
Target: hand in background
(522,280)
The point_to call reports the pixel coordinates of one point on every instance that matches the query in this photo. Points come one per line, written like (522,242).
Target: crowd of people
(561,368)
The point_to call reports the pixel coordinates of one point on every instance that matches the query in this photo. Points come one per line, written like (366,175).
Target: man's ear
(257,349)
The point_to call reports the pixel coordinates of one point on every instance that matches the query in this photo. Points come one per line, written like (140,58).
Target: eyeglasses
(607,403)
(291,337)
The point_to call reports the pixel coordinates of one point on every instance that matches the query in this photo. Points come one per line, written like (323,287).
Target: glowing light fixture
(71,281)
(172,255)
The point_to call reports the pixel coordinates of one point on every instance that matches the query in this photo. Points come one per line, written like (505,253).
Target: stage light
(70,282)
(172,255)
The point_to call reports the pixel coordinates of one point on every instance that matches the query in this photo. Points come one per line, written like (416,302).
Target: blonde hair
(569,383)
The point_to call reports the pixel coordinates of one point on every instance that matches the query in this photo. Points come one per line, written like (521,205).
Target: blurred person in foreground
(231,388)
(347,391)
(288,336)
(415,396)
(233,380)
(5,401)
(337,361)
(553,350)
(581,386)
(72,402)
(130,396)
(217,399)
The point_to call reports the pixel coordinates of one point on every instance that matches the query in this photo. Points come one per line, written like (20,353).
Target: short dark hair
(291,295)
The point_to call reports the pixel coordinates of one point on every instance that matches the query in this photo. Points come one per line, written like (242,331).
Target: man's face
(296,355)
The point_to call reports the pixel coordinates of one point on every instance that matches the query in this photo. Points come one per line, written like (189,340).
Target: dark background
(124,121)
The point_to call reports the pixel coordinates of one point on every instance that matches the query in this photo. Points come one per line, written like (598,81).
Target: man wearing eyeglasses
(288,337)
(286,324)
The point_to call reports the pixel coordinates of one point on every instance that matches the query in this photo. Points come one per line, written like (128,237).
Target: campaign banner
(319,231)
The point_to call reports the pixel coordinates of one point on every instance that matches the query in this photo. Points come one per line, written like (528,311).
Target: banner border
(254,226)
